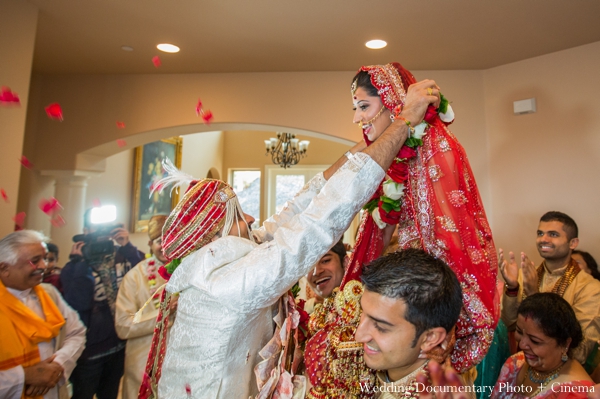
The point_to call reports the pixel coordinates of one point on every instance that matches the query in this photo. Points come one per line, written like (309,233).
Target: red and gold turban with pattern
(199,215)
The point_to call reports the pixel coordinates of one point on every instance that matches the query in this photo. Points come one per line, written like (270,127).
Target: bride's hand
(418,97)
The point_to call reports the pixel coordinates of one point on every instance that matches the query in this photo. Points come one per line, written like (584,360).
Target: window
(246,184)
(283,184)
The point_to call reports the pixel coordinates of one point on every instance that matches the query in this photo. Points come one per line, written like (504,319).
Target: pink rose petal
(57,221)
(198,107)
(8,97)
(25,162)
(121,143)
(188,390)
(120,125)
(207,116)
(54,111)
(50,206)
(19,219)
(156,61)
(4,196)
(96,203)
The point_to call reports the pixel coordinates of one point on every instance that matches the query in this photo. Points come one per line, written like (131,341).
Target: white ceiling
(85,36)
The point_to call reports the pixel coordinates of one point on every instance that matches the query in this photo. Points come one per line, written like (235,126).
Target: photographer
(90,283)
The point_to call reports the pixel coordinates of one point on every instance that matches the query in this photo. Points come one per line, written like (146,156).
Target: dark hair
(426,284)
(340,250)
(590,262)
(363,79)
(52,248)
(569,225)
(554,316)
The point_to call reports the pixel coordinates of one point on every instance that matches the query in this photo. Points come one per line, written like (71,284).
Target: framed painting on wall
(147,171)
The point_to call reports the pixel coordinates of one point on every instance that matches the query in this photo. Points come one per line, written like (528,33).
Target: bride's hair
(363,79)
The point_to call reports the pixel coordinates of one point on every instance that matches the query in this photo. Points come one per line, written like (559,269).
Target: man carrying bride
(227,281)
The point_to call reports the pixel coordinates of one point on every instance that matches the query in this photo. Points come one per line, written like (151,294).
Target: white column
(70,190)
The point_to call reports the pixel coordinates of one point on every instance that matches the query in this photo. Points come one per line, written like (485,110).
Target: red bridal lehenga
(441,213)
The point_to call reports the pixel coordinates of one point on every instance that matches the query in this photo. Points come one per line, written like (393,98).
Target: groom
(227,282)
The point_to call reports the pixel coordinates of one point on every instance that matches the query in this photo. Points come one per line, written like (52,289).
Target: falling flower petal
(120,125)
(9,97)
(198,108)
(50,206)
(156,61)
(207,116)
(54,111)
(25,162)
(121,143)
(19,219)
(57,221)
(4,196)
(188,390)
(96,203)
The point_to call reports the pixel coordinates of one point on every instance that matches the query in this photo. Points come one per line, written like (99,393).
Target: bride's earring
(392,118)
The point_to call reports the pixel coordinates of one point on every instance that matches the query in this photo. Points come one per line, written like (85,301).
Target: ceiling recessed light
(376,44)
(126,48)
(168,48)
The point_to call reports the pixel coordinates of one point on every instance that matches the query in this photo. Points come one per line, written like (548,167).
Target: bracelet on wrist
(511,291)
(411,130)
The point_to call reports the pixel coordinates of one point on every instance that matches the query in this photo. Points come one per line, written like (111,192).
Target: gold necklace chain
(563,282)
(361,123)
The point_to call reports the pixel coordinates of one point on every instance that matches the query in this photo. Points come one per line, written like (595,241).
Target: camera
(97,244)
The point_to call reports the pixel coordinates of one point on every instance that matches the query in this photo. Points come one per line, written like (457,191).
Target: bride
(431,195)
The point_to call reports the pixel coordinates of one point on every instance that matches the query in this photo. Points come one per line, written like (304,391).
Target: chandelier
(286,150)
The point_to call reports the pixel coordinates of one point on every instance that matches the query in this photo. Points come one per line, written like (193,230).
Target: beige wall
(154,106)
(18,21)
(547,160)
(202,152)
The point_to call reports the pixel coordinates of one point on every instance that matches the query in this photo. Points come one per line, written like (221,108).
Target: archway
(92,163)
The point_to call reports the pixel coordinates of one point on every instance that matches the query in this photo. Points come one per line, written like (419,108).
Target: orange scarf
(21,329)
